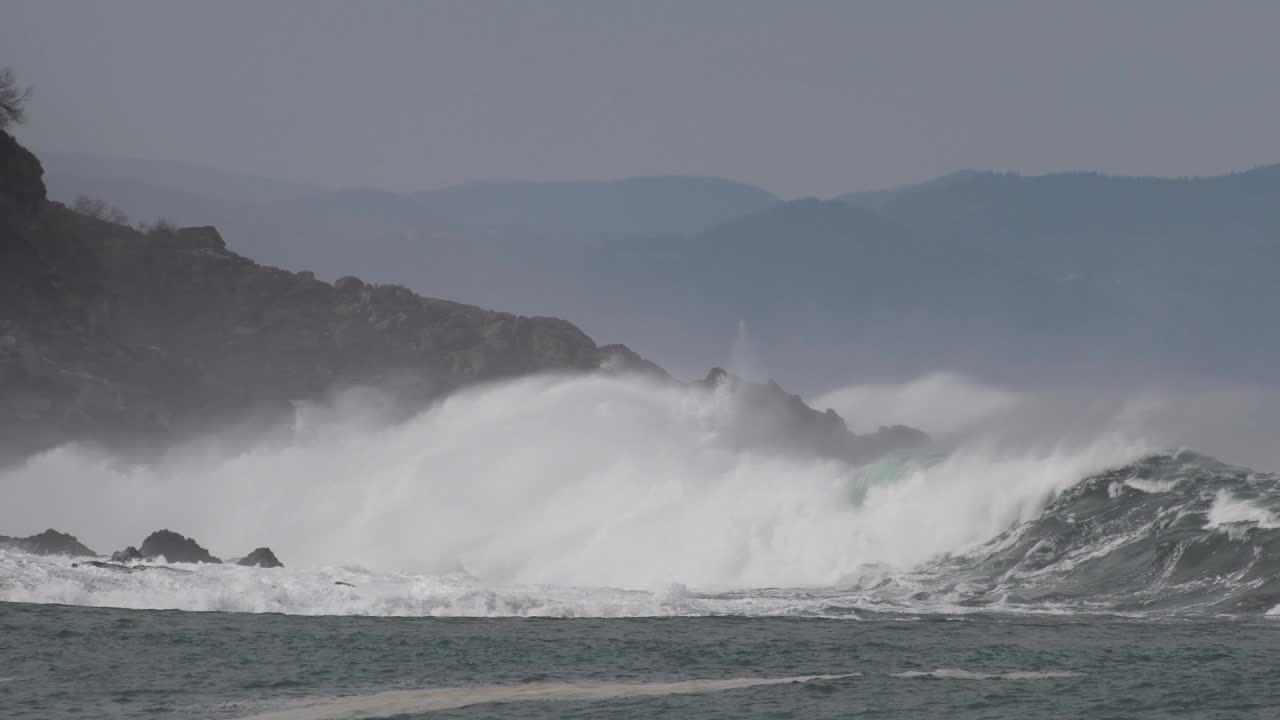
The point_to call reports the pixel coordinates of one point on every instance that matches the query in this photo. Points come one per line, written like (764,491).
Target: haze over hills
(1008,277)
(639,205)
(129,337)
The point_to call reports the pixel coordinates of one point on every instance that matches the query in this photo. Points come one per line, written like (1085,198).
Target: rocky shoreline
(162,546)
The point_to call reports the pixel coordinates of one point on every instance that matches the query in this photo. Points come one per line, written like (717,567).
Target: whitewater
(596,496)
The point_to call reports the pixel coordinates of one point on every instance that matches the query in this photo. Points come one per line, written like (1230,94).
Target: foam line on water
(958,674)
(412,702)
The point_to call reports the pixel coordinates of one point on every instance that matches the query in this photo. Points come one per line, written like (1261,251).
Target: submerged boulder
(261,557)
(126,568)
(49,542)
(175,548)
(105,566)
(129,554)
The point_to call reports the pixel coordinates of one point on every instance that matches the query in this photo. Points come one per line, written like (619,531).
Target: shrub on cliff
(13,100)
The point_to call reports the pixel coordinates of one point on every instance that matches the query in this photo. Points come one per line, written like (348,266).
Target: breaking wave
(596,496)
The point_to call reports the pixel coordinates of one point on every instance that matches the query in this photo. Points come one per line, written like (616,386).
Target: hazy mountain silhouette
(112,334)
(172,176)
(1077,220)
(1033,278)
(641,205)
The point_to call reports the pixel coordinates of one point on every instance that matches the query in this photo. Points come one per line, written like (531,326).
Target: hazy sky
(799,97)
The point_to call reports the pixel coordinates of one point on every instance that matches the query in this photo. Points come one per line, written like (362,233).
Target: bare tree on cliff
(13,98)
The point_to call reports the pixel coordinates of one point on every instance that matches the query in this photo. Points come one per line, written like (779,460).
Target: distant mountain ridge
(1006,212)
(129,337)
(176,176)
(634,205)
(638,205)
(1011,278)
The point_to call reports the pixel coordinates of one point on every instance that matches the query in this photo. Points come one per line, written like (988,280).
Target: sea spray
(568,481)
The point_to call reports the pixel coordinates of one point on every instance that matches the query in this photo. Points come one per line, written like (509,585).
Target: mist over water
(1232,422)
(579,481)
(620,496)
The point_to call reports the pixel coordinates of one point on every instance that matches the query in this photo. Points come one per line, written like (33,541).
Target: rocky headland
(129,338)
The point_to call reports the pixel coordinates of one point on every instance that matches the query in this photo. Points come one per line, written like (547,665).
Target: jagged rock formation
(127,555)
(175,548)
(766,416)
(113,334)
(261,557)
(49,542)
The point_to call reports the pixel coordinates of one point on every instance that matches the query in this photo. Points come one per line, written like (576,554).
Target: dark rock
(348,284)
(620,359)
(175,548)
(49,542)
(767,417)
(134,339)
(105,565)
(261,557)
(21,177)
(129,554)
(199,238)
(128,568)
(339,582)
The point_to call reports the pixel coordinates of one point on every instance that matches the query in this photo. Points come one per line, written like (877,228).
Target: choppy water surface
(65,662)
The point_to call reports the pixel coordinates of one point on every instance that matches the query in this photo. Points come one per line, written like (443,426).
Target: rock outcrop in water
(261,557)
(768,417)
(175,548)
(127,555)
(49,542)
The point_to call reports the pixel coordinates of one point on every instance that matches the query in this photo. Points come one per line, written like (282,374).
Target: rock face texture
(112,334)
(49,542)
(261,557)
(175,548)
(127,555)
(766,416)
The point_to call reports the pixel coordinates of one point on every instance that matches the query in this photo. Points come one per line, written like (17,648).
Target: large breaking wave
(597,496)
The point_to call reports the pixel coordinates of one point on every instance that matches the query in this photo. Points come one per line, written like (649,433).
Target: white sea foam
(1152,487)
(940,403)
(1227,509)
(413,702)
(957,674)
(575,482)
(293,591)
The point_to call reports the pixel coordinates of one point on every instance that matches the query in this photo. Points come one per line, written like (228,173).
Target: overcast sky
(798,97)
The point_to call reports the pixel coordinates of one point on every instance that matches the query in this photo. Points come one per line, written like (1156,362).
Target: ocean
(592,570)
(79,662)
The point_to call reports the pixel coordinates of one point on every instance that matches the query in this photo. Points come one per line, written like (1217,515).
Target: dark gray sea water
(81,662)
